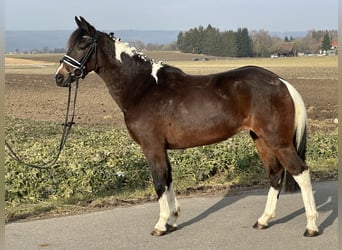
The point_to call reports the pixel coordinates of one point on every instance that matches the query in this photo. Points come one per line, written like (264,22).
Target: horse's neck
(120,79)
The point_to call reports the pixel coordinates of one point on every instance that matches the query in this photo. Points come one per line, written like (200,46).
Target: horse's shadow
(326,200)
(213,209)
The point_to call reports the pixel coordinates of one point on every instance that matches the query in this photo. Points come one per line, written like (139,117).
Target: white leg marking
(270,207)
(164,213)
(174,207)
(304,182)
(169,210)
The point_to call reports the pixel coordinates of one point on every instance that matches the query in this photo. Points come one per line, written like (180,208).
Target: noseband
(80,66)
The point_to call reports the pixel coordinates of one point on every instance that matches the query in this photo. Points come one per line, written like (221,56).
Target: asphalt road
(213,222)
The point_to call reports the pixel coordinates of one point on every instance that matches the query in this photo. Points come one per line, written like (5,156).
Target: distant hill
(30,40)
(294,34)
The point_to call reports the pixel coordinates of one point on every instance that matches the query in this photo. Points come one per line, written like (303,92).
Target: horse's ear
(84,25)
(78,21)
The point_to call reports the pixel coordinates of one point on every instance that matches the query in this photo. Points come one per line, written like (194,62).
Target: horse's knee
(276,178)
(160,189)
(291,161)
(161,180)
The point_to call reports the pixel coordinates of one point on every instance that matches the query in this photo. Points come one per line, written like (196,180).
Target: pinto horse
(165,108)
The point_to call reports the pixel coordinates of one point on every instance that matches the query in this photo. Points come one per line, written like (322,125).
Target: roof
(286,47)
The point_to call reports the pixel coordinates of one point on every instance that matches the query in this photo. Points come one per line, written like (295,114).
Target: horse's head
(81,57)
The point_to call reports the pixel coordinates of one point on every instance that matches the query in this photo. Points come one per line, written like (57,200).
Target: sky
(270,15)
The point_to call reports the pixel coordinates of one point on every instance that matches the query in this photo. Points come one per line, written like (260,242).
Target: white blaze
(59,68)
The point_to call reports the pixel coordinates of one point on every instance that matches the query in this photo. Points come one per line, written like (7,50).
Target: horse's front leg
(162,179)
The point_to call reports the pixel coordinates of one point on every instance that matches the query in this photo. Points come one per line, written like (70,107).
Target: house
(334,47)
(285,49)
(332,51)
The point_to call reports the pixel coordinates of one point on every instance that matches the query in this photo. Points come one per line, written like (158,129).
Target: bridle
(79,72)
(79,67)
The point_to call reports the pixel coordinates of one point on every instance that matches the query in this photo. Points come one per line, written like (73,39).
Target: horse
(165,108)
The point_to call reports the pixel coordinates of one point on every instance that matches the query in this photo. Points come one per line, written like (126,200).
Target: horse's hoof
(259,226)
(170,228)
(157,232)
(311,233)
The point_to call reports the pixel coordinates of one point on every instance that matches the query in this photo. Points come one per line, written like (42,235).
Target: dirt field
(31,91)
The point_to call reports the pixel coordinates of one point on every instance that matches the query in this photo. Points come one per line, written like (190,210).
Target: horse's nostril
(59,78)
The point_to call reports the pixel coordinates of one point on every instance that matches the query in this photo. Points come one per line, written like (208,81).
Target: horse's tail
(299,137)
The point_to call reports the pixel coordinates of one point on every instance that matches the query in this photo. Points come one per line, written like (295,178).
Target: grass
(102,166)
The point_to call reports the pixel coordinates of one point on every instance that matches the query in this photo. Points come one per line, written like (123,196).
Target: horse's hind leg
(162,179)
(298,169)
(304,181)
(275,173)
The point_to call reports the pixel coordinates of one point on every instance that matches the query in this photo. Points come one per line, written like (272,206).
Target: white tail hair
(300,112)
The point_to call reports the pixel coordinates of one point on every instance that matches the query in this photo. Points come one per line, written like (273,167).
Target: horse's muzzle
(61,81)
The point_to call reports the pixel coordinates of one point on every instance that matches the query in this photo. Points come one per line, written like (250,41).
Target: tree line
(211,41)
(242,43)
(239,43)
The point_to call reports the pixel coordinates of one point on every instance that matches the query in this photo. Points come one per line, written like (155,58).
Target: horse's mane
(115,48)
(124,47)
(119,46)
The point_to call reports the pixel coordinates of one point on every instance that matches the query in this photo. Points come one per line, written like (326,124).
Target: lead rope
(66,130)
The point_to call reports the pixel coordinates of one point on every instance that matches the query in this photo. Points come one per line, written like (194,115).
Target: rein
(66,130)
(79,71)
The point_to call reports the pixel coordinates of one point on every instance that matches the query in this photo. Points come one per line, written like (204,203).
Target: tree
(326,43)
(244,46)
(240,43)
(228,43)
(212,41)
(262,43)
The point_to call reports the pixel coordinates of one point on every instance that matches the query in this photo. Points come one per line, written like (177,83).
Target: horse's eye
(83,46)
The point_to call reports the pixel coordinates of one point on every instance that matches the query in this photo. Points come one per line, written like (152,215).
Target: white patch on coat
(300,112)
(155,69)
(270,207)
(121,47)
(304,182)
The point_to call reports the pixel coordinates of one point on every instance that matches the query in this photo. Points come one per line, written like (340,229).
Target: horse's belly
(198,132)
